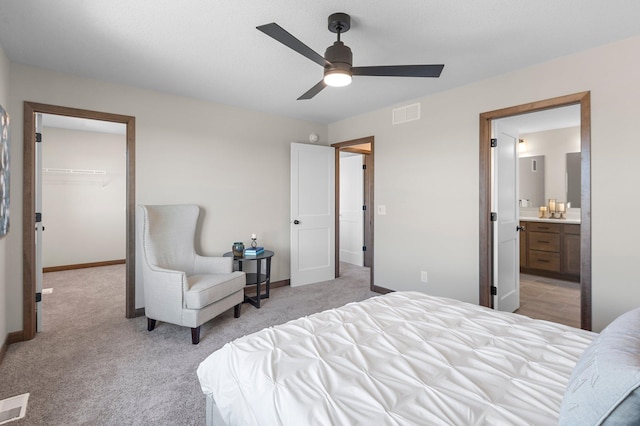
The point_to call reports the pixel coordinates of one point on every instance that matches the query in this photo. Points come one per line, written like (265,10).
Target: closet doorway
(30,220)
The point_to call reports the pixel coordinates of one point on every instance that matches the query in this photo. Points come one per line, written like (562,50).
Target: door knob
(296,222)
(520,228)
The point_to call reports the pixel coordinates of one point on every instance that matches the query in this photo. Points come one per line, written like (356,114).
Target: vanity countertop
(537,219)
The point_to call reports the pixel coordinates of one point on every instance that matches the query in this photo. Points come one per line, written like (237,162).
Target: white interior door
(39,225)
(312,214)
(506,246)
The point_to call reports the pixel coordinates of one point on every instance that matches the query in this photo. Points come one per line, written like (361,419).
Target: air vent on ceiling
(405,113)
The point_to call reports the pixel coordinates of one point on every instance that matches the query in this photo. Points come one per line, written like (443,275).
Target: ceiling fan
(338,59)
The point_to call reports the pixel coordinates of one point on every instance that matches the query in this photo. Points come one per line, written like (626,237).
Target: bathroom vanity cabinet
(550,248)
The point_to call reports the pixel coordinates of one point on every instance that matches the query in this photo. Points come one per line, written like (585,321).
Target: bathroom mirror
(574,179)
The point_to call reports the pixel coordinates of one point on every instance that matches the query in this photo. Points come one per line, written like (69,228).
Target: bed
(404,358)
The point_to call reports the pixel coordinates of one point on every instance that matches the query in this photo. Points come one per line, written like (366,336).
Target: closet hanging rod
(75,171)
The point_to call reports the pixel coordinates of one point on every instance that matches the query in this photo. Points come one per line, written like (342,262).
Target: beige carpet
(92,366)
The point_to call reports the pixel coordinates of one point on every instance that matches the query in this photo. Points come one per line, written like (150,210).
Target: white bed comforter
(404,358)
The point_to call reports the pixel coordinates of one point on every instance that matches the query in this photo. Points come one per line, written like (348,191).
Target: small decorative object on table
(253,251)
(237,248)
(254,243)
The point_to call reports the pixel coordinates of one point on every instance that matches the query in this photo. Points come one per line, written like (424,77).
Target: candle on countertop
(561,208)
(542,212)
(552,205)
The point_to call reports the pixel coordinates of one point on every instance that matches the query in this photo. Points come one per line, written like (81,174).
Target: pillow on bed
(605,384)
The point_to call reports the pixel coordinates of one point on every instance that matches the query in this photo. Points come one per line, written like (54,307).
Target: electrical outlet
(423,276)
(382,209)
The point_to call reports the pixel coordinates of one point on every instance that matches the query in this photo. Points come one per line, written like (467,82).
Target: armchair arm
(212,265)
(164,293)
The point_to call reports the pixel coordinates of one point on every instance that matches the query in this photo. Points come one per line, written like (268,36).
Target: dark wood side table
(258,277)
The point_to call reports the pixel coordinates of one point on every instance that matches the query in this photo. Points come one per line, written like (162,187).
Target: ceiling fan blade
(314,90)
(280,34)
(400,71)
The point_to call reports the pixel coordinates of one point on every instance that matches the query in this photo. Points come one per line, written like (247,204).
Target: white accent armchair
(180,286)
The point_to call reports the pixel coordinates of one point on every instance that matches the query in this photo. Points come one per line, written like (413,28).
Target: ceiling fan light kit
(338,58)
(338,72)
(337,78)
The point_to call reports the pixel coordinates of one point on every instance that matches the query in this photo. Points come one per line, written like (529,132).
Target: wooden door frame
(368,201)
(29,207)
(486,271)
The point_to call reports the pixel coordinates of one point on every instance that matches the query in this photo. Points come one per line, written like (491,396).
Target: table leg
(268,277)
(258,271)
(255,301)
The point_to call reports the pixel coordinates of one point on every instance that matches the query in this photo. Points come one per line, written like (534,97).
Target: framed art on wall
(4,172)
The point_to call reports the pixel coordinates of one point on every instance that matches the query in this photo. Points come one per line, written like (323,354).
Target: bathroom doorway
(487,272)
(549,244)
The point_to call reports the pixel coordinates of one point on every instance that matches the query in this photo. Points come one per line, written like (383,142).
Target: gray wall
(187,151)
(531,183)
(426,170)
(427,176)
(83,214)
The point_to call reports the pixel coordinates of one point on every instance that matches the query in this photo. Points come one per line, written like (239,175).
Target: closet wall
(83,197)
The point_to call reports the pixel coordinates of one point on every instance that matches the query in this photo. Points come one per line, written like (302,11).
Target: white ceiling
(210,49)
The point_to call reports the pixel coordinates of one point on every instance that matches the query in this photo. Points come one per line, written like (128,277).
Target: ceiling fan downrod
(339,55)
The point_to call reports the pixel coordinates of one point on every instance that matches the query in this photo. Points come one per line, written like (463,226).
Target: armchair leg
(237,310)
(151,324)
(195,335)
